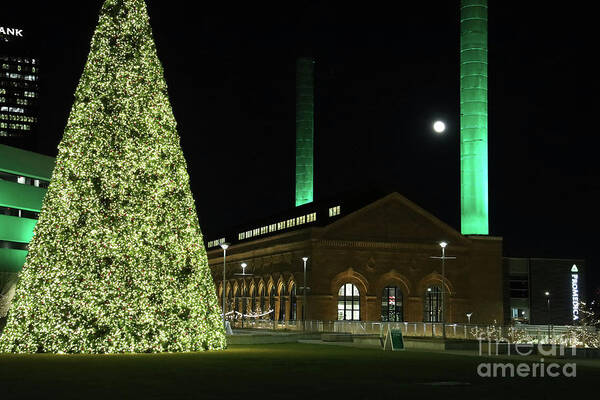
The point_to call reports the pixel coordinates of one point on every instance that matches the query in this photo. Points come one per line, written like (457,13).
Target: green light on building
(473,119)
(23,178)
(304,130)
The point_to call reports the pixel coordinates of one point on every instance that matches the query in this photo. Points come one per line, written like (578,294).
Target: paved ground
(281,371)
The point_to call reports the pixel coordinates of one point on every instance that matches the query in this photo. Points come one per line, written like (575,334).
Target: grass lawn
(278,371)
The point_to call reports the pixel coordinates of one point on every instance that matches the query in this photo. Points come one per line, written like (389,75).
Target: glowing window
(348,303)
(433,304)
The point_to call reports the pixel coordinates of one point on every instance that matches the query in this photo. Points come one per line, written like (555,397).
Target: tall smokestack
(473,120)
(305,106)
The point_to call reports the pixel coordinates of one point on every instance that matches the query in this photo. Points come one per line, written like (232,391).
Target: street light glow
(439,126)
(224,246)
(443,245)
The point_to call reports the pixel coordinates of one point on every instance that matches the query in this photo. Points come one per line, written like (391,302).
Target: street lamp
(443,246)
(244,299)
(443,258)
(469,316)
(224,246)
(305,259)
(547,294)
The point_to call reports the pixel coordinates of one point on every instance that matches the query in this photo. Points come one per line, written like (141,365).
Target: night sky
(382,77)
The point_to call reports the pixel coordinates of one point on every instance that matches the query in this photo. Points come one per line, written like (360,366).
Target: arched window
(244,299)
(272,302)
(236,302)
(348,303)
(391,304)
(282,295)
(253,300)
(221,288)
(229,302)
(293,303)
(433,304)
(261,294)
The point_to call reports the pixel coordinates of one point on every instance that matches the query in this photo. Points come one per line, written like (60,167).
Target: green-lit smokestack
(473,119)
(305,126)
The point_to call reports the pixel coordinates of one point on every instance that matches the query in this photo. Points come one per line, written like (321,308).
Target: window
(253,300)
(15,212)
(229,300)
(282,296)
(5,244)
(236,303)
(348,303)
(391,305)
(333,211)
(293,303)
(519,287)
(272,302)
(433,304)
(244,309)
(519,314)
(311,217)
(261,294)
(215,243)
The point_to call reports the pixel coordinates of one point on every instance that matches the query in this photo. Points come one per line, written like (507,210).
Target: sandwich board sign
(393,340)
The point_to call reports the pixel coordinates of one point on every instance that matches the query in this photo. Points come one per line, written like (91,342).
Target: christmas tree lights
(117,263)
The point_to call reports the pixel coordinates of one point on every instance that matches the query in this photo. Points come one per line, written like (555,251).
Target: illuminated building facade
(19,86)
(24,177)
(368,260)
(543,290)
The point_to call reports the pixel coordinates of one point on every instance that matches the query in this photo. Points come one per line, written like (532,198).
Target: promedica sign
(575,291)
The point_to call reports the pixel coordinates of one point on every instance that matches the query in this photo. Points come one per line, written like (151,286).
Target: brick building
(367,261)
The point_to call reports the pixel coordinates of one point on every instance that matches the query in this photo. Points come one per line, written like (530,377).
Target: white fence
(537,333)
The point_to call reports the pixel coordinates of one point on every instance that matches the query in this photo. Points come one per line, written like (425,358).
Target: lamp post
(443,246)
(547,294)
(305,259)
(443,258)
(244,297)
(224,246)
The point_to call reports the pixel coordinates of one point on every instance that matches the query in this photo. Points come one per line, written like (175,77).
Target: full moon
(439,126)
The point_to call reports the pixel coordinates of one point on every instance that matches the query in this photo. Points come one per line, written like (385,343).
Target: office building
(19,87)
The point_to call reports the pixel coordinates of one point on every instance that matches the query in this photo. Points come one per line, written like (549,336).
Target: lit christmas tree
(117,262)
